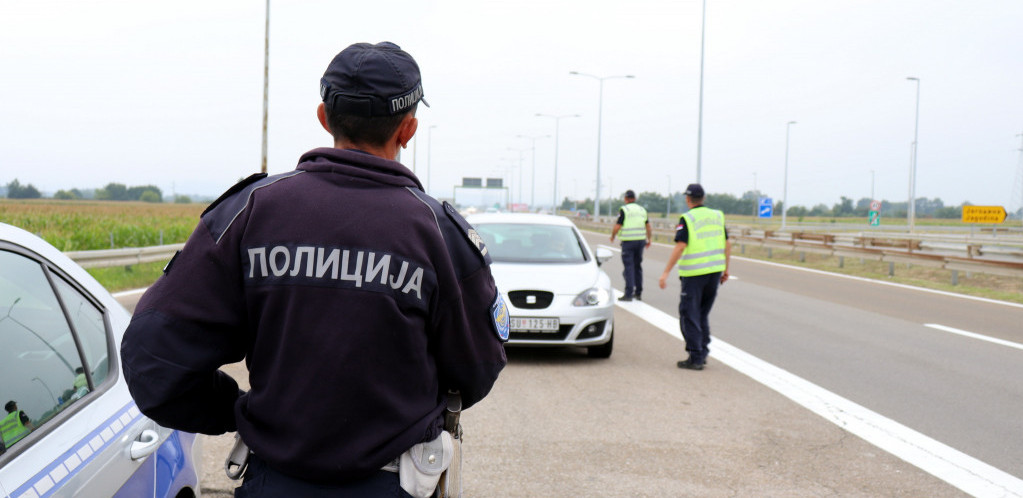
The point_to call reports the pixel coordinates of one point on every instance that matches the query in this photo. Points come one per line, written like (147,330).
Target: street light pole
(785,185)
(532,185)
(600,114)
(667,212)
(911,213)
(520,151)
(557,129)
(699,127)
(266,81)
(429,154)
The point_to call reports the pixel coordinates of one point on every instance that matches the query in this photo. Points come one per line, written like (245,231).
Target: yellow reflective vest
(12,429)
(705,251)
(634,224)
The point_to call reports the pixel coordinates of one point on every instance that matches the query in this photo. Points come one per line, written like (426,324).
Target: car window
(41,370)
(92,333)
(522,243)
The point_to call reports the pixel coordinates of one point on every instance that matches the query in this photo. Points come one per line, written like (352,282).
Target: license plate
(535,324)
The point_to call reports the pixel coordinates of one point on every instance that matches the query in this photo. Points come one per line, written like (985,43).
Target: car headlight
(592,297)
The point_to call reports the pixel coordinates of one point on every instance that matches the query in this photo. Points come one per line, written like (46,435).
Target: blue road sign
(766,208)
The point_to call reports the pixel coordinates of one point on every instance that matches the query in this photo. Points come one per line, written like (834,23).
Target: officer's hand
(648,244)
(724,276)
(663,281)
(612,238)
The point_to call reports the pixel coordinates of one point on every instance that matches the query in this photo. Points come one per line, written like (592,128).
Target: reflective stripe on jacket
(705,251)
(634,224)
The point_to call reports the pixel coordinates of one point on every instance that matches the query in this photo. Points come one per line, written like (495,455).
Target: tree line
(747,204)
(111,192)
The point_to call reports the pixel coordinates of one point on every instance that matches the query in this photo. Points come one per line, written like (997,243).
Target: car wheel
(602,351)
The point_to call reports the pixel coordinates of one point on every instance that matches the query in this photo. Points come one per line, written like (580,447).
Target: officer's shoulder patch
(499,315)
(467,231)
(238,187)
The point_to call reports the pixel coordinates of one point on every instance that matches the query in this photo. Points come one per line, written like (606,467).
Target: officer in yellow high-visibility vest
(635,236)
(702,250)
(15,425)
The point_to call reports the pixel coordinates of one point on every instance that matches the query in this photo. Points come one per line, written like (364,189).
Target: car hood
(559,279)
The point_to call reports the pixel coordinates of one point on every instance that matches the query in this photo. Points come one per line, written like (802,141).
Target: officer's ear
(406,130)
(321,114)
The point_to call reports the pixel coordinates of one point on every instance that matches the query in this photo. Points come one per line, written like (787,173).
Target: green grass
(972,284)
(119,278)
(976,284)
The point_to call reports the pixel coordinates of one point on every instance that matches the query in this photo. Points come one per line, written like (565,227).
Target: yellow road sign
(983,214)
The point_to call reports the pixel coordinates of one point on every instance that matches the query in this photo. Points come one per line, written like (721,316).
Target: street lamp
(557,126)
(532,184)
(785,185)
(699,126)
(667,212)
(600,113)
(266,81)
(429,153)
(911,214)
(520,151)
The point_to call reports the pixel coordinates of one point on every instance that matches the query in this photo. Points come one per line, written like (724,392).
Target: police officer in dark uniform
(356,300)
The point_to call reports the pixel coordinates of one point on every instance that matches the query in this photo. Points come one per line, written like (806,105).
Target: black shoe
(690,365)
(625,298)
(638,298)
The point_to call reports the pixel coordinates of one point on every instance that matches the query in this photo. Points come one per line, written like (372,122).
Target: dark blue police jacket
(356,301)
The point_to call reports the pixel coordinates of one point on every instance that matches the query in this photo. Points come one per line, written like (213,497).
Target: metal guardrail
(124,257)
(991,253)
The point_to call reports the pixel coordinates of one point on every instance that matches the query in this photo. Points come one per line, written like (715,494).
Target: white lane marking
(129,292)
(882,282)
(973,335)
(861,279)
(615,249)
(948,464)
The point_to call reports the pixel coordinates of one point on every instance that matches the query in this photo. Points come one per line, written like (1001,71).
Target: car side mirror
(603,254)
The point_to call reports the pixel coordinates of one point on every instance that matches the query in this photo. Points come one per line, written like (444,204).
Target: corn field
(90,225)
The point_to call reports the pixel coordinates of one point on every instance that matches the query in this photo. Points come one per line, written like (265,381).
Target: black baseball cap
(372,80)
(630,194)
(694,190)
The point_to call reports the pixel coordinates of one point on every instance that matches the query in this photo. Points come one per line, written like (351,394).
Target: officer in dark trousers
(703,251)
(356,300)
(635,236)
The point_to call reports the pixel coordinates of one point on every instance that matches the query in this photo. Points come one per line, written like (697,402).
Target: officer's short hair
(369,130)
(11,406)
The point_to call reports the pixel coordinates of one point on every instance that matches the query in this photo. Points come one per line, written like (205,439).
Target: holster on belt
(237,460)
(450,484)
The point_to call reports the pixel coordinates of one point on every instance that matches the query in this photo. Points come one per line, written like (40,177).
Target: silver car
(69,425)
(557,295)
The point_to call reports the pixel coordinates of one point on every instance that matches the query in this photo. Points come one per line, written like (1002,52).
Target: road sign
(875,206)
(766,208)
(875,213)
(983,214)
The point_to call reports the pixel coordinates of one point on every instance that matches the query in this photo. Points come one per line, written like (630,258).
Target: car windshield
(521,243)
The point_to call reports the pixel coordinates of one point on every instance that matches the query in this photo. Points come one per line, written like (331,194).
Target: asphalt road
(884,347)
(561,424)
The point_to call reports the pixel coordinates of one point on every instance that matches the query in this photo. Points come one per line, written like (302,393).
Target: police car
(556,293)
(69,426)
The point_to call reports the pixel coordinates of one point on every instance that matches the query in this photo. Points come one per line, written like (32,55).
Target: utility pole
(266,80)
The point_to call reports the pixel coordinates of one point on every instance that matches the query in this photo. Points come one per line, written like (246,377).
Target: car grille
(560,335)
(521,299)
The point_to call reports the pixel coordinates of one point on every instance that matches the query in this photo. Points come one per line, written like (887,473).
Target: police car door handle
(144,445)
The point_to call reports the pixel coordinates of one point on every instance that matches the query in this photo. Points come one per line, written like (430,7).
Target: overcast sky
(170,93)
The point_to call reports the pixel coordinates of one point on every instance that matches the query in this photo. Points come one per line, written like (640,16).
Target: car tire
(602,351)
